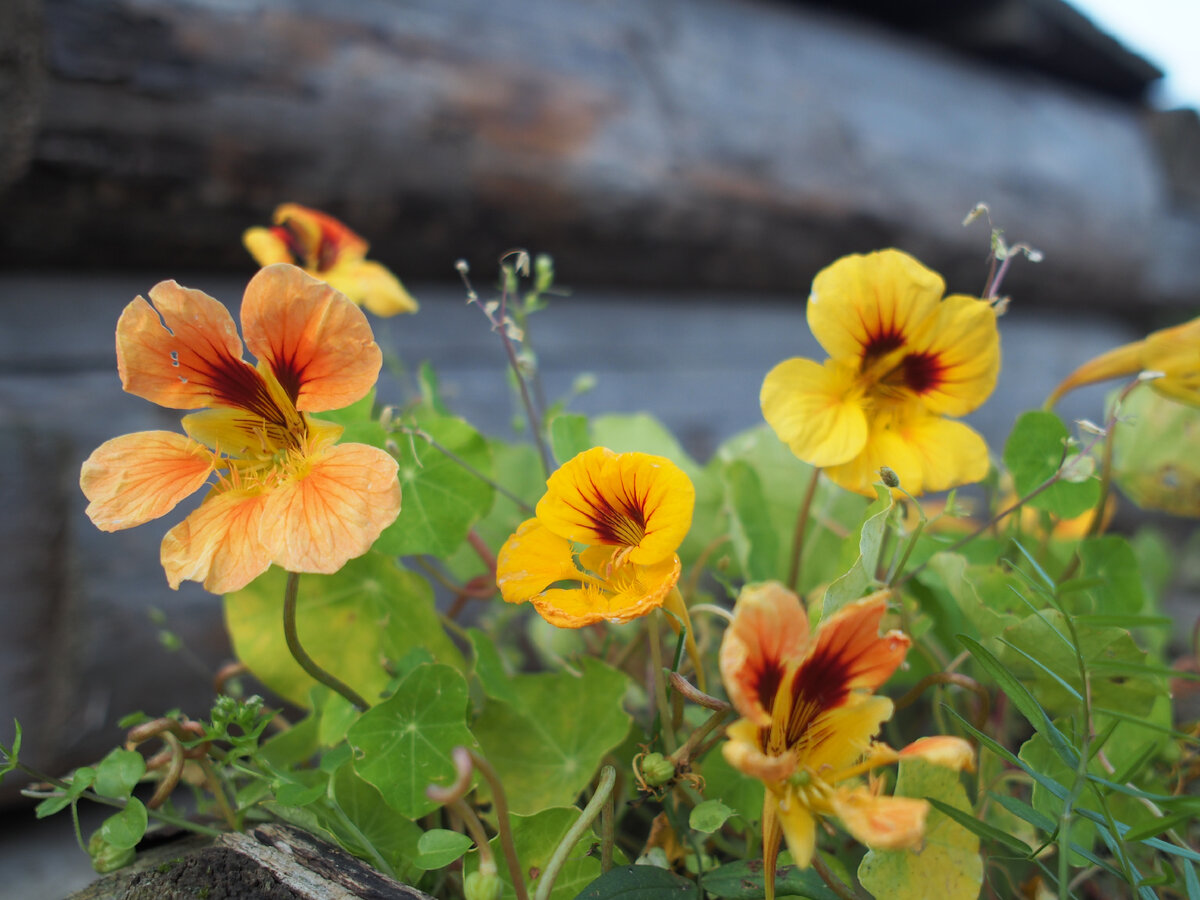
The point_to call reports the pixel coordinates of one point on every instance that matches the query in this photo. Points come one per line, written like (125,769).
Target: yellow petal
(183,352)
(768,633)
(949,453)
(839,737)
(325,241)
(633,500)
(267,246)
(138,477)
(799,828)
(316,342)
(1176,353)
(532,559)
(882,823)
(885,446)
(865,306)
(372,285)
(744,751)
(331,508)
(953,360)
(1120,361)
(943,750)
(629,592)
(816,410)
(218,544)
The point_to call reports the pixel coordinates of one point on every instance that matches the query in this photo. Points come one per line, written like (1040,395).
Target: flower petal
(882,823)
(532,559)
(942,750)
(954,359)
(137,477)
(849,651)
(372,285)
(331,508)
(799,828)
(949,453)
(744,752)
(321,240)
(218,544)
(632,500)
(885,446)
(769,630)
(815,410)
(838,738)
(268,246)
(183,352)
(316,342)
(863,306)
(629,592)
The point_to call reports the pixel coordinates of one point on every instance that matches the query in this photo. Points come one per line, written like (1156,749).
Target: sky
(1165,32)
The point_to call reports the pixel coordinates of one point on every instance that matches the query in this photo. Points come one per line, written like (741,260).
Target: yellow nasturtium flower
(1174,352)
(809,718)
(285,492)
(901,360)
(602,543)
(326,249)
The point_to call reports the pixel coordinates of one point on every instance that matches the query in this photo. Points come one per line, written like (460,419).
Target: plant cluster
(580,663)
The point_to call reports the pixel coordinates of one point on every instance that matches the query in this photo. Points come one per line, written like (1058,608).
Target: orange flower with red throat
(326,249)
(901,360)
(809,719)
(607,528)
(285,492)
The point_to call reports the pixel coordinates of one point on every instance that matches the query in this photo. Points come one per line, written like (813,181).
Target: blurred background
(689,164)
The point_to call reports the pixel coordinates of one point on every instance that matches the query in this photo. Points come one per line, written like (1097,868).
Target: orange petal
(138,477)
(325,240)
(331,508)
(629,592)
(744,751)
(218,544)
(316,342)
(864,306)
(849,653)
(633,500)
(816,410)
(184,352)
(532,559)
(882,823)
(769,631)
(943,750)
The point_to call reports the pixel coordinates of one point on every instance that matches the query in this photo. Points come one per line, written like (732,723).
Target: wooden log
(683,142)
(271,862)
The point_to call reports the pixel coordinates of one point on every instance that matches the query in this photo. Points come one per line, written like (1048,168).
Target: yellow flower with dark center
(1173,352)
(326,249)
(809,718)
(285,492)
(901,360)
(602,544)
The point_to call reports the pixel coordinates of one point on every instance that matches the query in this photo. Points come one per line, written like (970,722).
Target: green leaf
(10,754)
(1024,811)
(1154,459)
(439,847)
(538,744)
(377,831)
(117,774)
(431,393)
(744,881)
(950,855)
(536,838)
(441,498)
(569,436)
(709,816)
(983,829)
(1033,453)
(351,623)
(124,829)
(755,540)
(403,745)
(1111,560)
(639,883)
(743,794)
(861,576)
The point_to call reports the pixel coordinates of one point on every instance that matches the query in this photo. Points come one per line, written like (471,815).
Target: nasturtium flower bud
(657,770)
(481,885)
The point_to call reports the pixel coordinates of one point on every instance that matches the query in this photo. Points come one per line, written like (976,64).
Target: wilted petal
(218,544)
(632,500)
(316,342)
(864,306)
(134,478)
(183,352)
(331,508)
(816,410)
(882,823)
(769,630)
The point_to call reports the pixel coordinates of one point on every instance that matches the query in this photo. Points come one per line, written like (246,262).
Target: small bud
(462,266)
(980,209)
(657,770)
(890,478)
(481,885)
(1087,426)
(386,417)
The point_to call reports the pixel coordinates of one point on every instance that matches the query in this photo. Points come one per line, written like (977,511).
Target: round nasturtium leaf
(1154,459)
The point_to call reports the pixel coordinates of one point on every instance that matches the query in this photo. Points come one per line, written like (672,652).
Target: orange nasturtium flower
(901,359)
(602,543)
(285,492)
(1174,352)
(326,249)
(809,719)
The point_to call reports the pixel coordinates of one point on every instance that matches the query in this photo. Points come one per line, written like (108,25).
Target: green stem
(503,825)
(608,827)
(835,884)
(298,653)
(801,527)
(660,686)
(608,775)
